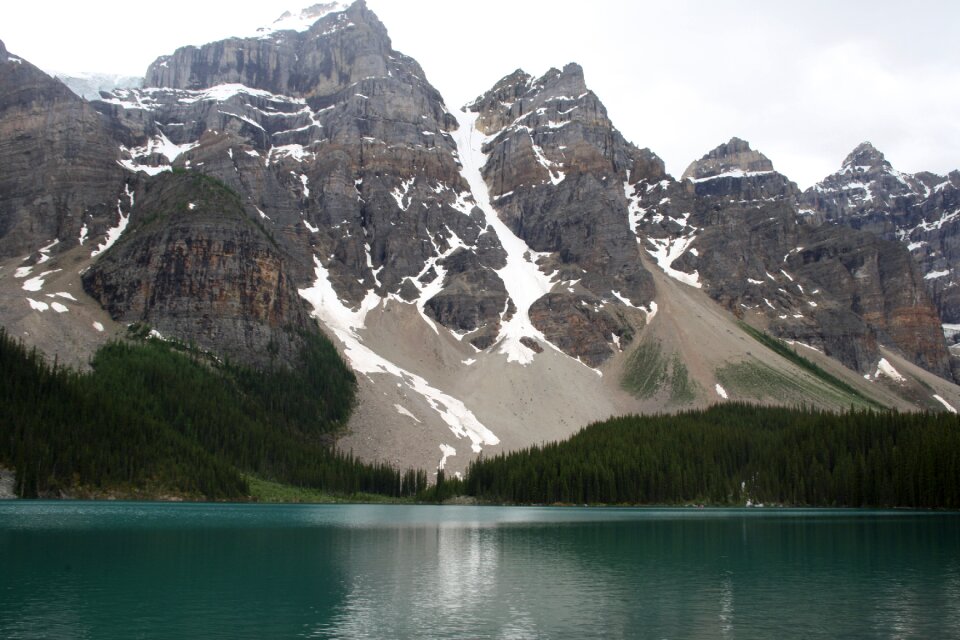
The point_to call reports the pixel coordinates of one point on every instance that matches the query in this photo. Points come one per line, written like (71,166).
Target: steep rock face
(734,230)
(877,280)
(555,165)
(581,325)
(59,180)
(194,266)
(734,156)
(331,46)
(340,147)
(922,211)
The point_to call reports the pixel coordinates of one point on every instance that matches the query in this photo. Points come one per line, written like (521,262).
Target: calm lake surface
(139,570)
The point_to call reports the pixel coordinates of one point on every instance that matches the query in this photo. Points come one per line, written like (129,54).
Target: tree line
(731,454)
(153,417)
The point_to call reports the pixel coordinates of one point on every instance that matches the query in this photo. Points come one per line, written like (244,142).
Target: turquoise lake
(153,570)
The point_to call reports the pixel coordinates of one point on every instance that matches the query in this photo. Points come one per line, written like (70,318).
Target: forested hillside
(155,418)
(734,453)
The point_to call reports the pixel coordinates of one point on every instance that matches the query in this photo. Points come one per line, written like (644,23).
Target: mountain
(732,226)
(921,211)
(58,172)
(496,276)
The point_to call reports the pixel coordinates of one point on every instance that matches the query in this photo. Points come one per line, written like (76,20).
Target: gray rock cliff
(59,179)
(732,225)
(922,211)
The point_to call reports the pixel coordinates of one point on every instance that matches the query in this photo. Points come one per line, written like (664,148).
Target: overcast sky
(803,82)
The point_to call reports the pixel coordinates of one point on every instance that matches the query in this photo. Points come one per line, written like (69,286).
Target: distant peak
(3,48)
(735,155)
(734,145)
(865,155)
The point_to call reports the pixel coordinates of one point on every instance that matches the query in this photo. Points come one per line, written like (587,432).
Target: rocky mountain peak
(303,19)
(3,49)
(918,210)
(568,81)
(865,155)
(519,95)
(730,157)
(300,55)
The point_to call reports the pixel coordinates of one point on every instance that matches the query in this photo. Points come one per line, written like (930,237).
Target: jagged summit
(520,83)
(569,80)
(518,94)
(919,210)
(302,19)
(734,156)
(300,58)
(865,155)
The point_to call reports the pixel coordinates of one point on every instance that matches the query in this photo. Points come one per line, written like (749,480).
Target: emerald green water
(135,570)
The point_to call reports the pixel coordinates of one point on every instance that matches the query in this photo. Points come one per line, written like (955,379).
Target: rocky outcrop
(555,163)
(333,46)
(732,227)
(340,147)
(582,326)
(734,157)
(555,166)
(59,180)
(877,280)
(922,211)
(195,267)
(473,298)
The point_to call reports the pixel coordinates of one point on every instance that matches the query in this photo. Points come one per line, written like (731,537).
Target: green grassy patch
(782,349)
(645,370)
(683,390)
(262,490)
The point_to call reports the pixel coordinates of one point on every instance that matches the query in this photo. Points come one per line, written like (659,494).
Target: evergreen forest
(155,418)
(732,454)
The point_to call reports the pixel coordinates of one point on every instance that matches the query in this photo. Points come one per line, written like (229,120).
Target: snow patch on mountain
(667,250)
(159,144)
(301,19)
(447,451)
(346,325)
(886,369)
(524,280)
(36,284)
(949,407)
(733,173)
(114,233)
